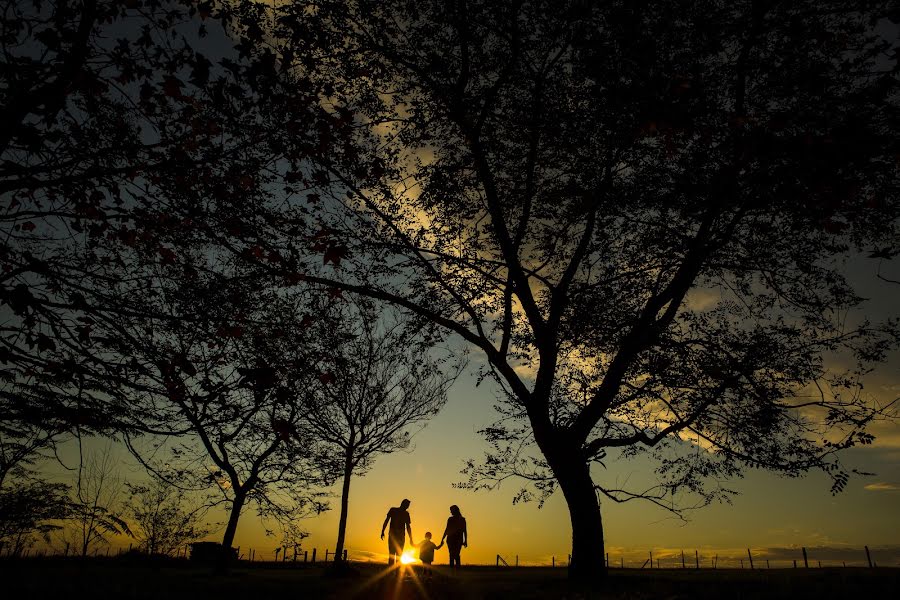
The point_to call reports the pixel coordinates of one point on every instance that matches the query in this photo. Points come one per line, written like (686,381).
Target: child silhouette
(426,552)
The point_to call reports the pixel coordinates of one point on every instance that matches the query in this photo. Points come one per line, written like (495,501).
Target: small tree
(96,511)
(30,509)
(381,382)
(212,377)
(162,521)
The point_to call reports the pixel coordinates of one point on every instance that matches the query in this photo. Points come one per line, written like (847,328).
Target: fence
(710,561)
(294,554)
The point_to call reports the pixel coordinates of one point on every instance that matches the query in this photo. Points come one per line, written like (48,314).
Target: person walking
(398,517)
(456,534)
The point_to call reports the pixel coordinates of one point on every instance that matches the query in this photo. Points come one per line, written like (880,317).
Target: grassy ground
(121,580)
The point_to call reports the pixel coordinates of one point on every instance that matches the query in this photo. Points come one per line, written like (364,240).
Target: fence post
(805,558)
(517,560)
(607,560)
(553,563)
(682,559)
(697,558)
(498,560)
(305,555)
(795,563)
(716,562)
(345,555)
(314,556)
(820,564)
(651,559)
(750,556)
(767,564)
(868,556)
(742,563)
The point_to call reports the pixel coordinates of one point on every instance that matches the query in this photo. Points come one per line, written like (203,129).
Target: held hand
(382,535)
(466,544)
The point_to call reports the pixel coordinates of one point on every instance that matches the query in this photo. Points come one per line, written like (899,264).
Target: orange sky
(773,516)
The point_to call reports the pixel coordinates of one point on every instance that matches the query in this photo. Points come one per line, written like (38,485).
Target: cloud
(883,486)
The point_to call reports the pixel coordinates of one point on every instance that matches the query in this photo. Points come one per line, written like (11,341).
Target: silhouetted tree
(380,378)
(211,380)
(30,508)
(106,106)
(637,212)
(162,521)
(95,505)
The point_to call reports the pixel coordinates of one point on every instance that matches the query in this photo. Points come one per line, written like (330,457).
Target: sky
(772,516)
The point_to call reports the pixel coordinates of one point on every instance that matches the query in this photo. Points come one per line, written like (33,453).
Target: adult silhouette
(457,535)
(399,520)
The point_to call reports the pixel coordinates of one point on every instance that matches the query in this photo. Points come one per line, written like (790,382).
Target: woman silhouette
(456,534)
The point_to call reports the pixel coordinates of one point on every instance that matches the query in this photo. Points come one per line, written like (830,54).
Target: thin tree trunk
(230,530)
(345,501)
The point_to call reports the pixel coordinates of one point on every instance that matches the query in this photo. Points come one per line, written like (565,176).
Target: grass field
(113,579)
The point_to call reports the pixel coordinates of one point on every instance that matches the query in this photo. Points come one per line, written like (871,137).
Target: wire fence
(296,555)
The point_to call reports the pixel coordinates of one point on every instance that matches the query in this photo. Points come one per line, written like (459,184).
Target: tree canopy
(638,213)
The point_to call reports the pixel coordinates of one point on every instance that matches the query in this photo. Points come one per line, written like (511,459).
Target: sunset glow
(407,558)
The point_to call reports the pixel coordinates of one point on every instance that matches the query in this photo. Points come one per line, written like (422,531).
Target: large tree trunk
(345,500)
(574,477)
(230,531)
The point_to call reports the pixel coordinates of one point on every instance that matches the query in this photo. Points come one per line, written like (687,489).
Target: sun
(407,558)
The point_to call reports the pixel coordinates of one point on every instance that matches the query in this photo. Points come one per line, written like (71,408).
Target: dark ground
(60,579)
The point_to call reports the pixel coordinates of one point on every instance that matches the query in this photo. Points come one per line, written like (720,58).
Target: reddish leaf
(327,378)
(293,278)
(234,331)
(283,429)
(334,254)
(84,333)
(168,256)
(45,343)
(172,87)
(830,226)
(27,226)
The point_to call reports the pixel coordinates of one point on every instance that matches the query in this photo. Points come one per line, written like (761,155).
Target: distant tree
(637,212)
(162,520)
(96,511)
(381,378)
(211,380)
(25,434)
(31,509)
